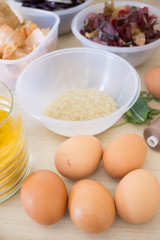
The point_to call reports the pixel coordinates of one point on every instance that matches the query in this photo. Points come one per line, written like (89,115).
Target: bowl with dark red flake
(128,29)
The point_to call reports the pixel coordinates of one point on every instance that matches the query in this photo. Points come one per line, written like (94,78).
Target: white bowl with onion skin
(10,69)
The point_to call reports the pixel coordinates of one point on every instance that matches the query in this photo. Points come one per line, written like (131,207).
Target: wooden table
(15,223)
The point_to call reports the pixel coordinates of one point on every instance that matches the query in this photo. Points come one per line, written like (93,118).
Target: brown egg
(78,156)
(91,206)
(152,81)
(137,196)
(124,154)
(44,197)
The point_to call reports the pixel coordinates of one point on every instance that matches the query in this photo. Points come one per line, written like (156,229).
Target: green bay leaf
(138,113)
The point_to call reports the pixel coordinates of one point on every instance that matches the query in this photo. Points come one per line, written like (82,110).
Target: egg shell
(124,154)
(78,156)
(152,81)
(44,197)
(91,206)
(137,196)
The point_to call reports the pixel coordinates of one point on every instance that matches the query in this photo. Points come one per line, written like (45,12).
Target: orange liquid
(14,154)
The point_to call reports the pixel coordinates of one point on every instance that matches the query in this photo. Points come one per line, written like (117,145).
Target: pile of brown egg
(90,205)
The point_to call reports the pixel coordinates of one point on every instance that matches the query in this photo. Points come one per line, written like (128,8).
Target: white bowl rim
(110,48)
(44,118)
(57,22)
(59,12)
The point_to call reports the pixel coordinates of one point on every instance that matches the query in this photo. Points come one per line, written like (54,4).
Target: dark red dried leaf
(117,28)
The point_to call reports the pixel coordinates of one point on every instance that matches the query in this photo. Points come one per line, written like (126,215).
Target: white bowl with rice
(82,90)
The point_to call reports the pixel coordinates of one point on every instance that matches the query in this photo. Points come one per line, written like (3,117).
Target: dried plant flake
(138,37)
(109,8)
(93,34)
(116,12)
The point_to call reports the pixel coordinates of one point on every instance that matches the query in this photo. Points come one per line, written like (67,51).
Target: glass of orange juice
(15,160)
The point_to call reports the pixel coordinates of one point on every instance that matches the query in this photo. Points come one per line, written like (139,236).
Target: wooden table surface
(15,224)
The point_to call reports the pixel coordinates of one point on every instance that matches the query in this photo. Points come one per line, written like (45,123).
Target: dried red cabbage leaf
(125,26)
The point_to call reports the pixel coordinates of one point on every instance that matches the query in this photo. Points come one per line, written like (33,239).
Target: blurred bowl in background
(77,68)
(66,15)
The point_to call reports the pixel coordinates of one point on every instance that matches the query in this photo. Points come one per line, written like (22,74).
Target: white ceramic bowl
(66,15)
(10,69)
(77,68)
(134,55)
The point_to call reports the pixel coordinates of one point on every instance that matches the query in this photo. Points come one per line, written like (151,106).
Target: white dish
(77,68)
(134,55)
(10,69)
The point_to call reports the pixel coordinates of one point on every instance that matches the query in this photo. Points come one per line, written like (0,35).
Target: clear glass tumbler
(15,160)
